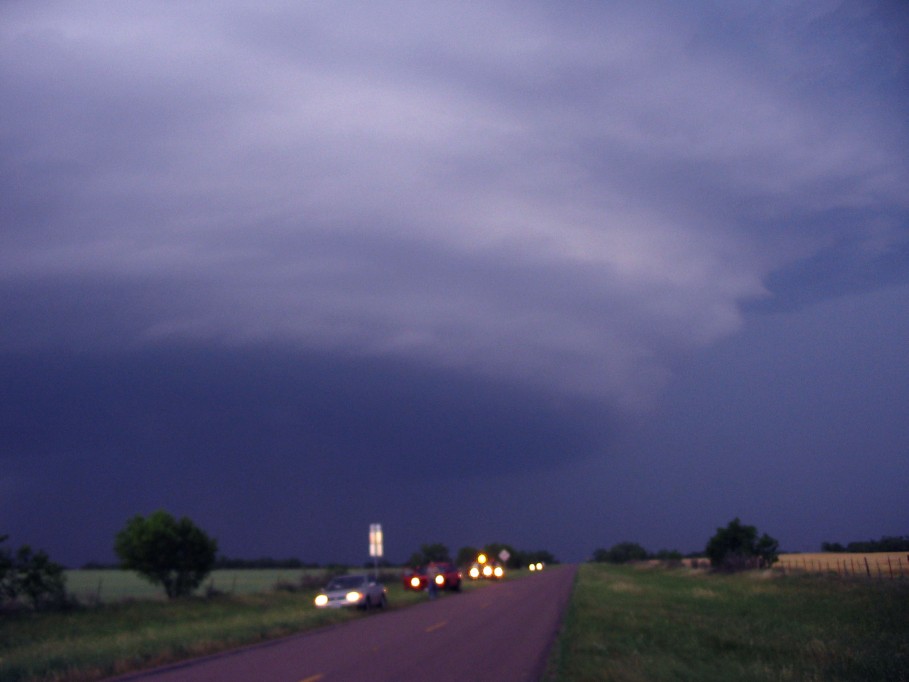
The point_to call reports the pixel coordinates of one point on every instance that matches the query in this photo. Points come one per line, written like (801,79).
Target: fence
(880,565)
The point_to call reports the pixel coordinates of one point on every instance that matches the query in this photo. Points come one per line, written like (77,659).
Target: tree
(7,573)
(175,554)
(434,552)
(737,547)
(832,547)
(467,555)
(32,575)
(621,553)
(494,549)
(537,556)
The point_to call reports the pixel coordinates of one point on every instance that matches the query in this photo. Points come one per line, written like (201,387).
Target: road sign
(375,540)
(504,555)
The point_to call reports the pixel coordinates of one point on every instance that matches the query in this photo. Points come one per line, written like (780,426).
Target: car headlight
(354,596)
(532,567)
(415,582)
(498,572)
(539,567)
(487,570)
(474,572)
(322,600)
(440,580)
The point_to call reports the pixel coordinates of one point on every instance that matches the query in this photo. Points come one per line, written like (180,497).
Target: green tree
(175,554)
(40,579)
(537,556)
(427,553)
(32,575)
(8,587)
(493,550)
(738,547)
(467,555)
(621,553)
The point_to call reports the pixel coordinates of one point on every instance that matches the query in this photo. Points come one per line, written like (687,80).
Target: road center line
(313,678)
(440,624)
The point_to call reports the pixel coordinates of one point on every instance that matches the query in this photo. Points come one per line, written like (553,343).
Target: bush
(31,575)
(737,547)
(175,554)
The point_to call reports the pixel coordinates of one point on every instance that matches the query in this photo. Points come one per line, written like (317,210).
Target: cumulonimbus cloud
(567,200)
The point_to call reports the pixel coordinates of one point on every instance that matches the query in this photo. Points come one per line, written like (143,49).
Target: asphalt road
(502,632)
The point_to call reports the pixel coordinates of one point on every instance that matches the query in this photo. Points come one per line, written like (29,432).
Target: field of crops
(881,565)
(875,565)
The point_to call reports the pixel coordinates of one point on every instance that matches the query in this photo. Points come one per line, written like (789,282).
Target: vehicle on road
(361,591)
(487,568)
(446,576)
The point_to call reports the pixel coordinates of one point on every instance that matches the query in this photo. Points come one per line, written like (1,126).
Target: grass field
(634,624)
(112,586)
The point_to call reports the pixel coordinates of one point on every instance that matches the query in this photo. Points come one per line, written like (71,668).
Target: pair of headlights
(415,581)
(351,597)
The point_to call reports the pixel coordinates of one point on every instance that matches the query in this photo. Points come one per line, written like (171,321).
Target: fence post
(867,567)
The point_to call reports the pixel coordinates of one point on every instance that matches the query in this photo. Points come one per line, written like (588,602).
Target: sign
(504,555)
(375,540)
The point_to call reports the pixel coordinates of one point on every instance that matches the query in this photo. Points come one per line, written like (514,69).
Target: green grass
(118,636)
(629,624)
(112,585)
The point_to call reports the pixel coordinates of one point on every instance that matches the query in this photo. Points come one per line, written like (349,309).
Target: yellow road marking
(438,625)
(313,678)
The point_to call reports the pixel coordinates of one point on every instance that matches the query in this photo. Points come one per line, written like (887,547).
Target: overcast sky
(555,274)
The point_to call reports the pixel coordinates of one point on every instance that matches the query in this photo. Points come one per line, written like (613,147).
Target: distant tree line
(888,543)
(733,548)
(625,552)
(223,562)
(438,552)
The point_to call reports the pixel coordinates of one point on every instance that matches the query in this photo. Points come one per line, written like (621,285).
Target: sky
(554,274)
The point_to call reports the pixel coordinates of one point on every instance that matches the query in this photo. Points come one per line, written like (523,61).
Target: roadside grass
(631,624)
(104,585)
(115,637)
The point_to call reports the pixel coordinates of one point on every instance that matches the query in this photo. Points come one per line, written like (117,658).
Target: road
(501,632)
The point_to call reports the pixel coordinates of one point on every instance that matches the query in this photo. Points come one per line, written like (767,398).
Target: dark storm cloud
(231,433)
(197,405)
(442,214)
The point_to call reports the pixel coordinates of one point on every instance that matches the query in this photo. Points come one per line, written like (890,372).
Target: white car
(361,591)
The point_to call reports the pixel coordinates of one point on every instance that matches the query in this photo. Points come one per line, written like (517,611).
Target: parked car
(361,591)
(447,576)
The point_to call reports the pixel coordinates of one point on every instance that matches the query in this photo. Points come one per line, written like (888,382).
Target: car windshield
(346,582)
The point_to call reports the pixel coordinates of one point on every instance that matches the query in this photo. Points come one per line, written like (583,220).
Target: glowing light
(481,559)
(354,596)
(487,570)
(321,600)
(474,572)
(415,582)
(539,566)
(498,572)
(440,580)
(533,567)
